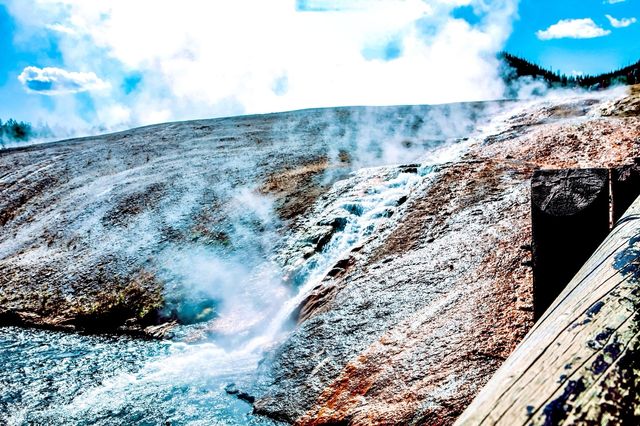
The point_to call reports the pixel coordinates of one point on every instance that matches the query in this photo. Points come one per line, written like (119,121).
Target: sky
(91,66)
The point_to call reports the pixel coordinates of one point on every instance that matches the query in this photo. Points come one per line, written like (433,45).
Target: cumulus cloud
(573,28)
(56,81)
(620,23)
(614,1)
(200,59)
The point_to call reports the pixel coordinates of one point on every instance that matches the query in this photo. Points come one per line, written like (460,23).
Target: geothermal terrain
(362,265)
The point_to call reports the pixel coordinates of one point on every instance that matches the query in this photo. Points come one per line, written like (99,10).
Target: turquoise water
(61,378)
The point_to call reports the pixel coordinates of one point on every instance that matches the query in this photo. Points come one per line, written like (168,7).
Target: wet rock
(316,302)
(341,266)
(308,251)
(354,208)
(246,397)
(410,168)
(161,331)
(336,223)
(232,389)
(319,236)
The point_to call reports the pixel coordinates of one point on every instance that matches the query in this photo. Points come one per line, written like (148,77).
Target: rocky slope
(90,225)
(410,283)
(419,317)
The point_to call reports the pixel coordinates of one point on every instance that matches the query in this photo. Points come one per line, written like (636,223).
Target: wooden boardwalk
(580,364)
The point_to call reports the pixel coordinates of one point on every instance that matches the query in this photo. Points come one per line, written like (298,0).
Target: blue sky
(590,55)
(85,66)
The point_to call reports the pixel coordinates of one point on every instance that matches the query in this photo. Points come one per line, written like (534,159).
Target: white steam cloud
(236,285)
(167,60)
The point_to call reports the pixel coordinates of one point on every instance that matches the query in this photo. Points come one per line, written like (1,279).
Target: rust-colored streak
(296,189)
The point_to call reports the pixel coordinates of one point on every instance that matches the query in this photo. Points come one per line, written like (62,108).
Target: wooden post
(625,187)
(570,218)
(580,364)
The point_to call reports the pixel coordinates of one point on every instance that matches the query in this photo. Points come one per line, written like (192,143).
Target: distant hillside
(516,67)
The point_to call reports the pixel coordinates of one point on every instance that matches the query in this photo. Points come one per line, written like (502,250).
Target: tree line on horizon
(15,131)
(12,131)
(518,67)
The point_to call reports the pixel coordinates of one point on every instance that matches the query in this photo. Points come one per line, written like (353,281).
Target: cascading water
(358,218)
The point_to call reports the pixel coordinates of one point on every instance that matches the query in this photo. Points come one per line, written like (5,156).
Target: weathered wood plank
(580,364)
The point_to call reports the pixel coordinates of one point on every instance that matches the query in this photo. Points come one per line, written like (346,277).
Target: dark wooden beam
(570,218)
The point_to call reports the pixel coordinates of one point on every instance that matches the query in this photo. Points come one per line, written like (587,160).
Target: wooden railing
(580,364)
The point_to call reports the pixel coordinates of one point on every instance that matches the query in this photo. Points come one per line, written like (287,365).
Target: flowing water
(60,378)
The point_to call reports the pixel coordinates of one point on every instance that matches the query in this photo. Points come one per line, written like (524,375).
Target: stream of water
(63,378)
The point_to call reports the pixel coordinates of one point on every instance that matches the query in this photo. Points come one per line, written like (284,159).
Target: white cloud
(573,28)
(206,59)
(614,1)
(56,81)
(620,23)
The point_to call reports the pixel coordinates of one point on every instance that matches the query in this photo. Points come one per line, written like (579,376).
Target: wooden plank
(580,364)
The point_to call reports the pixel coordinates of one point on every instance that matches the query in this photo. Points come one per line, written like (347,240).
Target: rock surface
(438,297)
